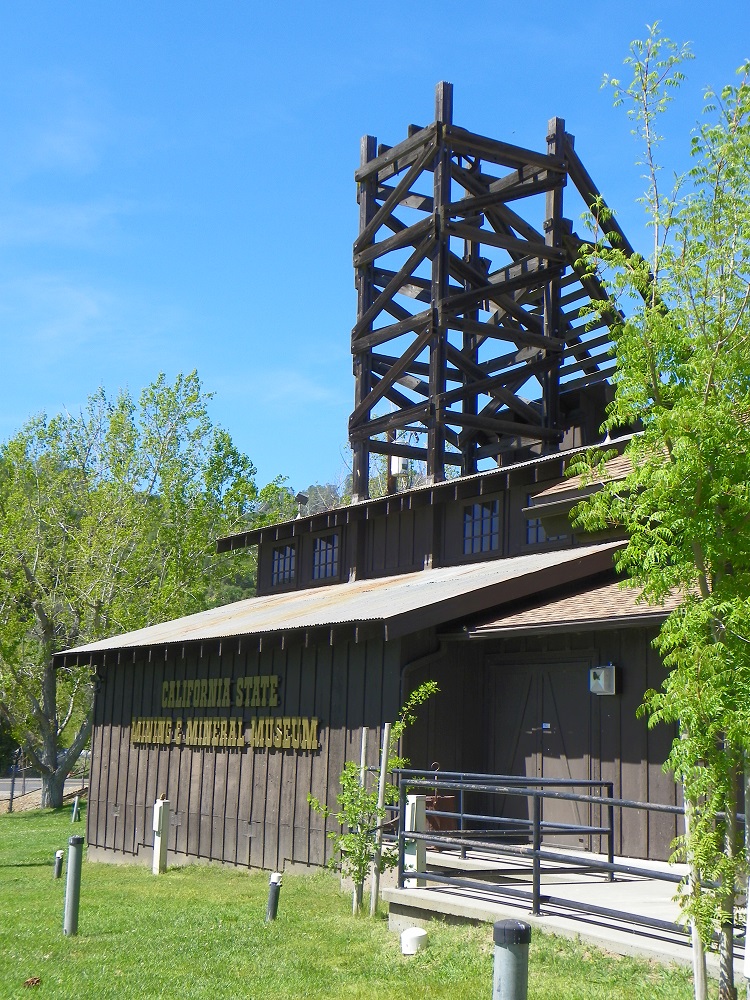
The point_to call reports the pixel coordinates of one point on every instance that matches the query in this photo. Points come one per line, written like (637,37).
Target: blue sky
(176,180)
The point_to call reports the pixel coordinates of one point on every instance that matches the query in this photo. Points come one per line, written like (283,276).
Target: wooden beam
(503,190)
(490,385)
(499,215)
(418,367)
(601,375)
(479,379)
(463,141)
(407,379)
(422,251)
(590,345)
(554,231)
(392,421)
(408,236)
(412,145)
(414,286)
(440,281)
(522,248)
(492,425)
(393,199)
(362,359)
(385,383)
(410,451)
(390,332)
(412,199)
(593,199)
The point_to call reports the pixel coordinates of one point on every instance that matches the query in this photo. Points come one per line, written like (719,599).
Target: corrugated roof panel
(430,596)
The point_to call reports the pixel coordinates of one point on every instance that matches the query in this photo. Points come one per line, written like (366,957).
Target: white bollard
(415,853)
(413,939)
(161,832)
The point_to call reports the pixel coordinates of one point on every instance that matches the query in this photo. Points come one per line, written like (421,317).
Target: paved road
(32,785)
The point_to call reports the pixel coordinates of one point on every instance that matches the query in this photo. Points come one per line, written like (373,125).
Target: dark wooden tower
(472,320)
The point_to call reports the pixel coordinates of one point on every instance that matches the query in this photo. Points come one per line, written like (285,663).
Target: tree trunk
(357,898)
(747,865)
(53,786)
(698,948)
(727,990)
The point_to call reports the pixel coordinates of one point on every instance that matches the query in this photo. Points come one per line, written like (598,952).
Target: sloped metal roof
(401,603)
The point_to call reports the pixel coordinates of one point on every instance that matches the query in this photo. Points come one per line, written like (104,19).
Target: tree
(360,813)
(108,522)
(683,372)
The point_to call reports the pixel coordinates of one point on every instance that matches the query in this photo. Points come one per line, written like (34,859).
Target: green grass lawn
(199,932)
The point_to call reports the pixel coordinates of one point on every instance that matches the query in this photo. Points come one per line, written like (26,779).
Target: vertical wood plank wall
(250,807)
(244,807)
(619,746)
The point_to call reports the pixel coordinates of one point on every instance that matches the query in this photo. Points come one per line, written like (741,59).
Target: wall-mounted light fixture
(603,680)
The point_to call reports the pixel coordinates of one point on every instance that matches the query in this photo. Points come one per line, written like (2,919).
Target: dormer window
(325,557)
(535,533)
(283,566)
(481,527)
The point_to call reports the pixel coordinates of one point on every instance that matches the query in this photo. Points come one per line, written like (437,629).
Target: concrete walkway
(633,895)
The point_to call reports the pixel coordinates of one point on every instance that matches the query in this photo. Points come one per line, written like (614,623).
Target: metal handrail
(537,790)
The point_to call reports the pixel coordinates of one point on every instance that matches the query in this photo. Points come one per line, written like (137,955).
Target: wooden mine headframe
(471,320)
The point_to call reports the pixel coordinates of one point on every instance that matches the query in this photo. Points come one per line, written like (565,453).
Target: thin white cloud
(56,322)
(49,316)
(87,225)
(269,385)
(71,142)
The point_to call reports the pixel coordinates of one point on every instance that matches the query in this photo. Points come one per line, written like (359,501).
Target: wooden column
(362,359)
(553,233)
(470,350)
(439,286)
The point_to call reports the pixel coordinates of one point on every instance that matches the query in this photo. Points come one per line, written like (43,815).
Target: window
(481,527)
(535,533)
(325,557)
(283,565)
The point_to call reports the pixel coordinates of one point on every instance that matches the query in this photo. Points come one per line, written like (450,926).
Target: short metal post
(510,979)
(274,888)
(611,832)
(73,886)
(536,860)
(461,813)
(161,831)
(401,825)
(76,811)
(415,851)
(13,770)
(58,863)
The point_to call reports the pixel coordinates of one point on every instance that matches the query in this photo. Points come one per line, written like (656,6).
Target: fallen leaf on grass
(33,981)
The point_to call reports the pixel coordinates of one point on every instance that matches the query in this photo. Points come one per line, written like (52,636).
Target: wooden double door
(540,725)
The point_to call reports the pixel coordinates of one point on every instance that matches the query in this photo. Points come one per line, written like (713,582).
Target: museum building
(481,356)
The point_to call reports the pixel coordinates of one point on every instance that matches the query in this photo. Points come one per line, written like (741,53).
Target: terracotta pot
(443,803)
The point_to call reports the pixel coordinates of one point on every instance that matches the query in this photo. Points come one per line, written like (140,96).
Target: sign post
(161,831)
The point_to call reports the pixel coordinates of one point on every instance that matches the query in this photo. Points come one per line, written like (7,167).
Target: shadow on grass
(26,864)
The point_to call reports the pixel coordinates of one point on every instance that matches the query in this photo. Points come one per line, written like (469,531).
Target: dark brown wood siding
(399,542)
(240,806)
(523,706)
(515,705)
